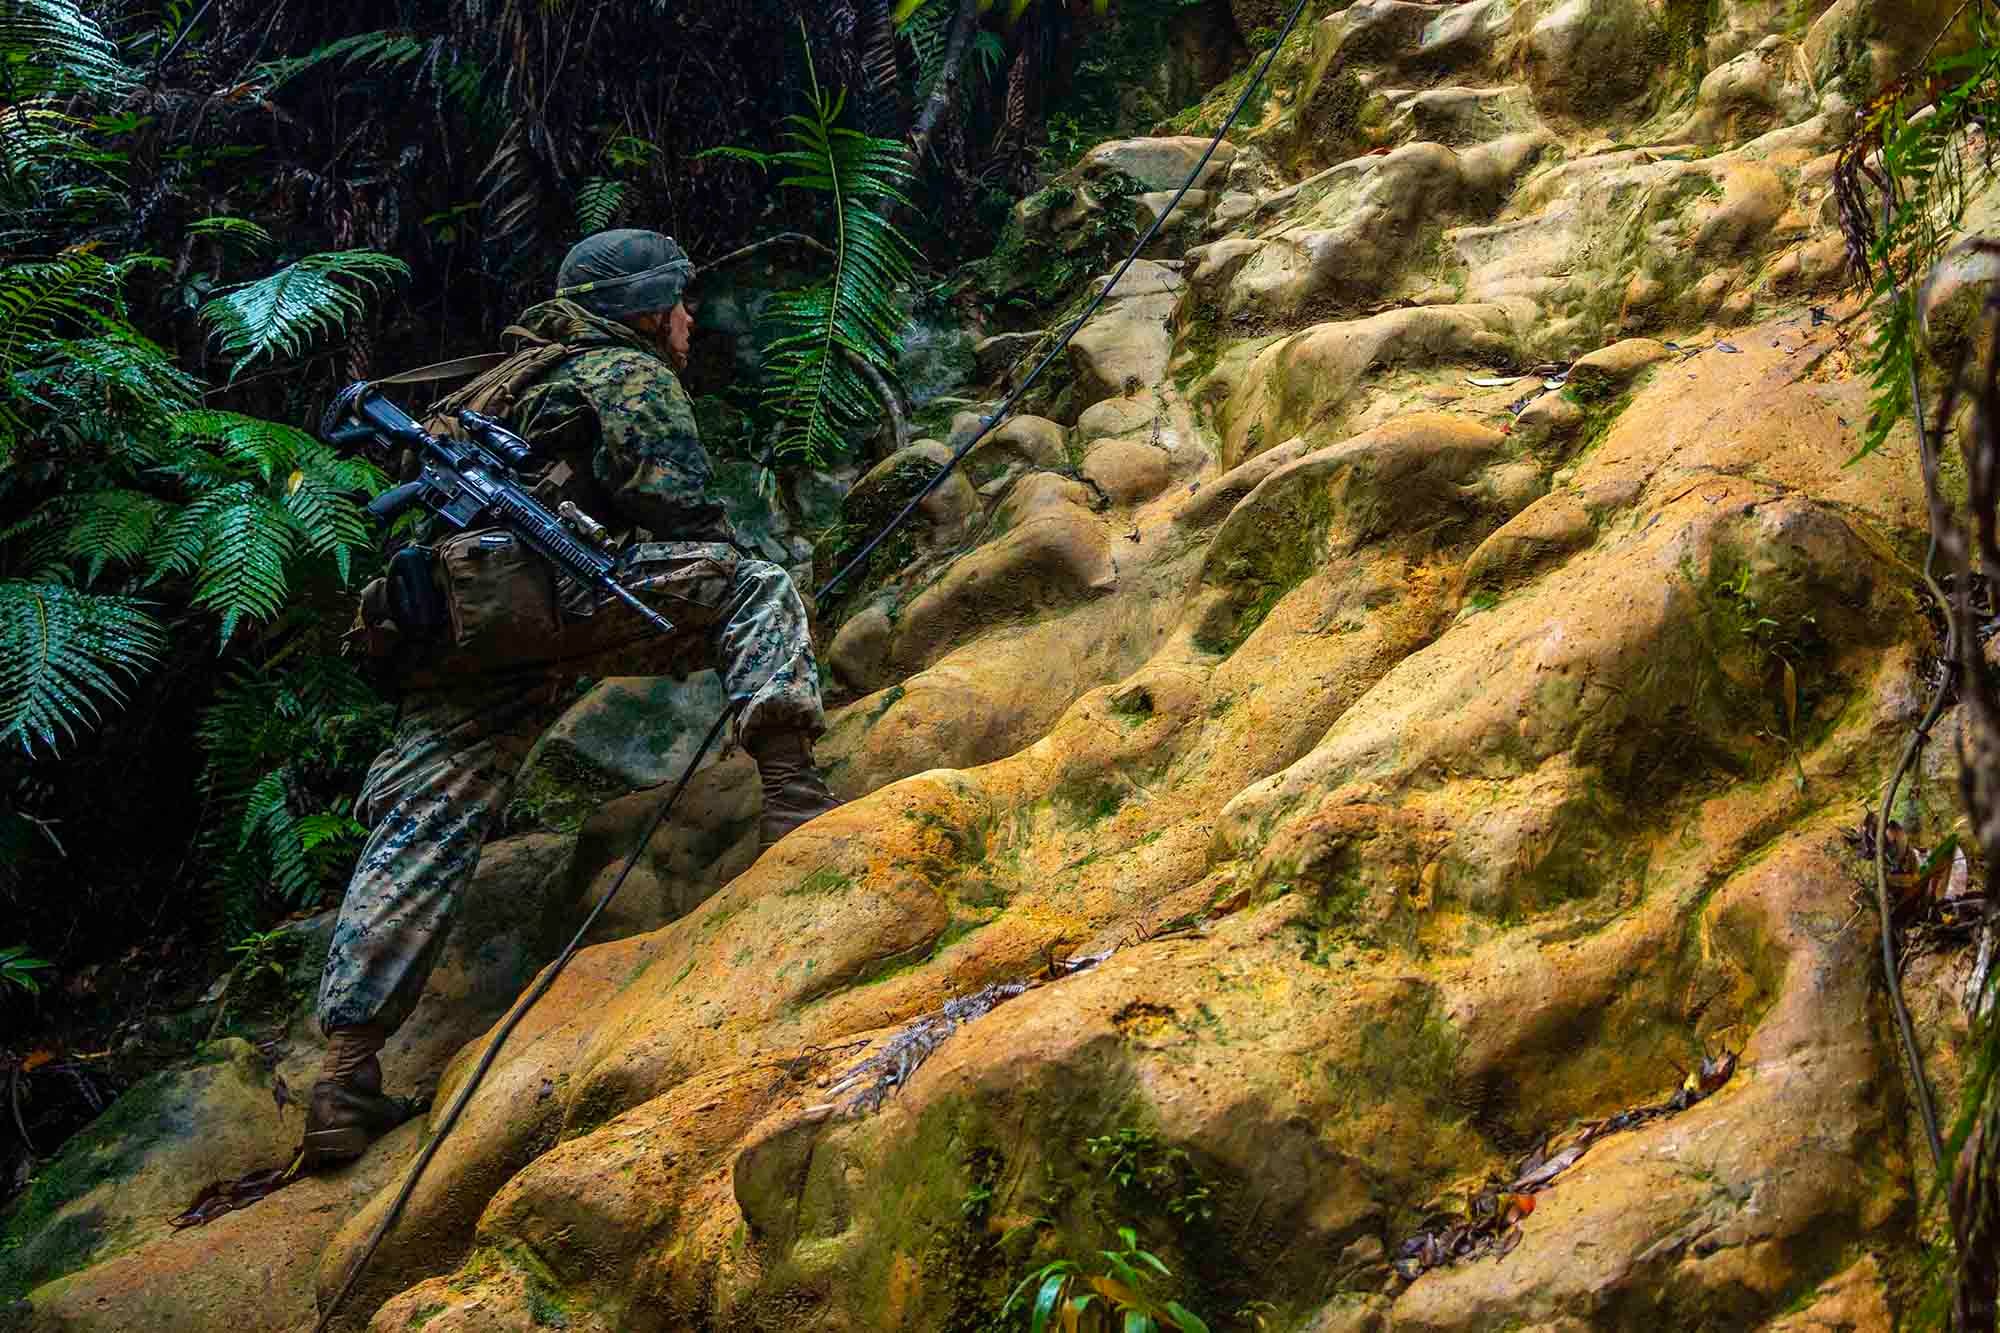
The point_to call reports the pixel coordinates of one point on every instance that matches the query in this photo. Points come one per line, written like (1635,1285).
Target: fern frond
(816,391)
(246,545)
(108,527)
(315,486)
(120,374)
(268,826)
(64,654)
(42,300)
(597,203)
(53,46)
(286,311)
(234,231)
(384,49)
(270,448)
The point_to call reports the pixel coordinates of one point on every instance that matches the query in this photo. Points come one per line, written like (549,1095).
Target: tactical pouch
(499,601)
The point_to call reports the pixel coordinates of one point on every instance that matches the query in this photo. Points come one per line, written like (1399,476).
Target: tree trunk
(945,87)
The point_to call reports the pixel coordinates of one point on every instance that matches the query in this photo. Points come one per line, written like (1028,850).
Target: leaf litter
(1490,1224)
(866,1086)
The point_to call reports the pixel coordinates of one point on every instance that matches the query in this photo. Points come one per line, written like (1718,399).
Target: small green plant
(1119,1297)
(17,968)
(1138,1163)
(261,957)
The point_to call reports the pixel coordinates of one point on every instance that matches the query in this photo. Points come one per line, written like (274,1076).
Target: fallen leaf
(35,1060)
(1550,1169)
(1791,700)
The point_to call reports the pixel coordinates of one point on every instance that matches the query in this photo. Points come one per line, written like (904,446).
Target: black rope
(548,978)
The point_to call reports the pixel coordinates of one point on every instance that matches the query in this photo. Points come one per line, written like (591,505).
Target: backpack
(498,379)
(493,602)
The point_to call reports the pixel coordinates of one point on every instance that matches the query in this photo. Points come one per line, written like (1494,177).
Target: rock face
(1339,747)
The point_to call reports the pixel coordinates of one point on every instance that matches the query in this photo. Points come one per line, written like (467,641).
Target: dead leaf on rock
(226,1196)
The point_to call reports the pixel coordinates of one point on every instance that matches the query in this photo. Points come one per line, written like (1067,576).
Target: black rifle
(471,483)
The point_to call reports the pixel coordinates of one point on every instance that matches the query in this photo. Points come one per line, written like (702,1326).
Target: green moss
(1410,1055)
(826,879)
(1289,547)
(423,1314)
(42,1237)
(559,792)
(1133,707)
(1088,800)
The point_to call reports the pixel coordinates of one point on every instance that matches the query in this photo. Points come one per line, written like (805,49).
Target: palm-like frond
(264,493)
(64,654)
(253,736)
(268,824)
(815,389)
(286,311)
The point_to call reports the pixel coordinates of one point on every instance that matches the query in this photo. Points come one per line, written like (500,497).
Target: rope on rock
(987,425)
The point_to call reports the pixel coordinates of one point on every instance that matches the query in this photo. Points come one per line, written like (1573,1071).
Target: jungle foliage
(216,212)
(1922,152)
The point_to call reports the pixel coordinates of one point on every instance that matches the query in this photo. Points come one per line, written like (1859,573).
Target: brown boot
(794,792)
(347,1110)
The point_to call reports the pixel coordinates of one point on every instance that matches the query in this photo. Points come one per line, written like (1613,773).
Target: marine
(618,432)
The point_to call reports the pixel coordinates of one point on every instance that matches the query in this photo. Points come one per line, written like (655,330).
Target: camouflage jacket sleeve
(646,456)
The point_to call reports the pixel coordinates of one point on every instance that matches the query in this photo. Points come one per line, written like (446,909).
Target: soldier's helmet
(625,272)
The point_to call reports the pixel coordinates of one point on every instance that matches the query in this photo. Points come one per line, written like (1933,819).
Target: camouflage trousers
(430,799)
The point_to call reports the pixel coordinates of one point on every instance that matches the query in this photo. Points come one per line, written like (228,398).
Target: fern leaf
(246,546)
(817,392)
(241,233)
(58,48)
(362,50)
(64,655)
(286,311)
(270,448)
(269,827)
(108,527)
(43,300)
(597,203)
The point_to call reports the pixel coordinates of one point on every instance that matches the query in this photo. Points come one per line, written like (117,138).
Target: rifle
(473,482)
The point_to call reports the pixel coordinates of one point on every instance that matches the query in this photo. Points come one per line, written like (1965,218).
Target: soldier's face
(680,332)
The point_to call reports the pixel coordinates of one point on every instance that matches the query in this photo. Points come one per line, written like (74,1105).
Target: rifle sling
(465,367)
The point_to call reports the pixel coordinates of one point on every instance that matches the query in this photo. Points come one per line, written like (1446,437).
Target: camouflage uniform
(616,415)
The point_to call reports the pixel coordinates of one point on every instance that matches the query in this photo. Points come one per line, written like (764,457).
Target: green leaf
(816,389)
(17,968)
(240,233)
(1185,1319)
(1045,1302)
(597,203)
(64,654)
(51,46)
(286,312)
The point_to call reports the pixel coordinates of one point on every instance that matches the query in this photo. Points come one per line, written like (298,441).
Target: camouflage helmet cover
(626,272)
